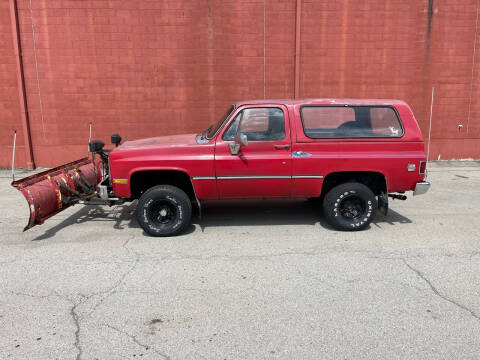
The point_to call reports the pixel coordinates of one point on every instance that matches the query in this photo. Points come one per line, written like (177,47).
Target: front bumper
(421,188)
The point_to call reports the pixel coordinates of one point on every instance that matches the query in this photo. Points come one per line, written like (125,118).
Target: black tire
(164,210)
(350,207)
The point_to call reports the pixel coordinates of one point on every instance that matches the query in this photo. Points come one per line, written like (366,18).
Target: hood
(160,141)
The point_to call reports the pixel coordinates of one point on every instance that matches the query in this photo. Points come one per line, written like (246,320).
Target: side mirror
(240,140)
(116,139)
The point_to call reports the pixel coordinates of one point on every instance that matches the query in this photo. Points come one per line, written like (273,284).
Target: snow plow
(51,191)
(54,190)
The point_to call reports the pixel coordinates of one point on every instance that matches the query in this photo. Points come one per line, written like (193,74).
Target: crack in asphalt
(114,287)
(76,321)
(12,293)
(136,341)
(437,293)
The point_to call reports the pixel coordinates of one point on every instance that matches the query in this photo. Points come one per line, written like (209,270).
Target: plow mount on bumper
(54,190)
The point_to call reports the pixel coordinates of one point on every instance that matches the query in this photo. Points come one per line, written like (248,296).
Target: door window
(259,124)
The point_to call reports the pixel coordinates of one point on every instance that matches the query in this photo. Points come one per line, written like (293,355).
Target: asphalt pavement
(250,280)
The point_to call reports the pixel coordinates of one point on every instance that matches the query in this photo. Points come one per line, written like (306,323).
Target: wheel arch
(143,179)
(375,180)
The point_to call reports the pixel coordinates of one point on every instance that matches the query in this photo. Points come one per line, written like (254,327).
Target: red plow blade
(54,190)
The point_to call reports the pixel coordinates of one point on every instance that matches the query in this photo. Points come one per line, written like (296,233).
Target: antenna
(89,137)
(430,127)
(13,154)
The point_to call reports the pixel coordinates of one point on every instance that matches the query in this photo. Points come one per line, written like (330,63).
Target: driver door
(263,168)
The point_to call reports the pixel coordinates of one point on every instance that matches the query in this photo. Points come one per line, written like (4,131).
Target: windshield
(212,130)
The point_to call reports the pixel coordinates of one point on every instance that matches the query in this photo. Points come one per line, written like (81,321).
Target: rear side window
(350,122)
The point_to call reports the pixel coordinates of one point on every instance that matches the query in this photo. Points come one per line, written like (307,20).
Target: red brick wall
(144,68)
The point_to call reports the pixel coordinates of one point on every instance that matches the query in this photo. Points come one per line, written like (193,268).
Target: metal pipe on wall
(22,95)
(298,20)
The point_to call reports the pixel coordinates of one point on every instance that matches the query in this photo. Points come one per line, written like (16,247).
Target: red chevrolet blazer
(352,154)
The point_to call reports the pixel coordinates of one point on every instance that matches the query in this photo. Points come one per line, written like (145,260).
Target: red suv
(352,154)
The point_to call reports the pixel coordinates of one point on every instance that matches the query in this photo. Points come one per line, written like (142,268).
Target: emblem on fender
(297,154)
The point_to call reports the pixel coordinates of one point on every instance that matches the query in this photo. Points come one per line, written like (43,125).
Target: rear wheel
(351,206)
(164,210)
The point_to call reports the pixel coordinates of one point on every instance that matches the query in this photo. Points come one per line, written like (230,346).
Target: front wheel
(164,210)
(350,206)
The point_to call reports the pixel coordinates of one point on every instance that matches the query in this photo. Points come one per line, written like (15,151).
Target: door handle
(282,146)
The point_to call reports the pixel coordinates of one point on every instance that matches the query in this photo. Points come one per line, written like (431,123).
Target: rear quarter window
(321,122)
